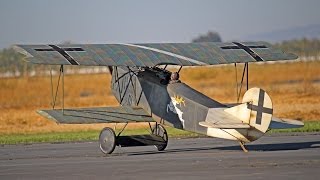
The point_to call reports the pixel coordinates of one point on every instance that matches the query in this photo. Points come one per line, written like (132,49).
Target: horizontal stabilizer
(278,123)
(121,114)
(224,125)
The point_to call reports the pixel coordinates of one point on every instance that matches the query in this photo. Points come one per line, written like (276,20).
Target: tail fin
(255,110)
(260,105)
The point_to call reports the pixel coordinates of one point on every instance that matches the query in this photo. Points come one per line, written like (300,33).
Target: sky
(145,21)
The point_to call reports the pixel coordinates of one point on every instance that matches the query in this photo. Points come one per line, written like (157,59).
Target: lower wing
(121,114)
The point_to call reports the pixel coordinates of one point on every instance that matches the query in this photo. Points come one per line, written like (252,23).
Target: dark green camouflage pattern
(150,55)
(120,114)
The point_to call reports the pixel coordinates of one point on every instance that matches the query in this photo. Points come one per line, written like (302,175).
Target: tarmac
(284,156)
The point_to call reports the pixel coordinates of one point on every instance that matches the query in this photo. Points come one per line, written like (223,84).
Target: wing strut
(54,97)
(62,89)
(245,70)
(247,76)
(236,73)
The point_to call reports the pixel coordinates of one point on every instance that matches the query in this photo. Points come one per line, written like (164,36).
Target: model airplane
(148,93)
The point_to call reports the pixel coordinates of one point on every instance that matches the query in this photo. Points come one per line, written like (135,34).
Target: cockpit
(164,76)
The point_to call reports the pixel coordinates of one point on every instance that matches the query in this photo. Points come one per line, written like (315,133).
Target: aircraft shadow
(252,147)
(276,147)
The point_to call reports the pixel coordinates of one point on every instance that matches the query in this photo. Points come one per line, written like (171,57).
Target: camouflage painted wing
(121,114)
(149,55)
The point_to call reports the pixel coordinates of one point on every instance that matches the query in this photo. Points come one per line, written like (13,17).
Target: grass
(92,135)
(309,126)
(48,137)
(76,136)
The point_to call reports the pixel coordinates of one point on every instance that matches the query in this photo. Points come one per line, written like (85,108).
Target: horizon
(143,21)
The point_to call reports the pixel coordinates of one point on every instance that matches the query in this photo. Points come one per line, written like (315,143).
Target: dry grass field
(293,87)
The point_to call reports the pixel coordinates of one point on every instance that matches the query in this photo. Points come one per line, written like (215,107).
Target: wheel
(107,140)
(159,130)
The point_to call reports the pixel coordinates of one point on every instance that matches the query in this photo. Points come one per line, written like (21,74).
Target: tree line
(302,47)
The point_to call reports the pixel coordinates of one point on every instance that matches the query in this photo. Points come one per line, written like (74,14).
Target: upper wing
(149,55)
(121,114)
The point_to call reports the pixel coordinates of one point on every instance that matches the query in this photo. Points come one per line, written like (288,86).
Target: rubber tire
(162,132)
(107,140)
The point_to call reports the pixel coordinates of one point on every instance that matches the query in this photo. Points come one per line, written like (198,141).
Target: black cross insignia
(63,52)
(260,109)
(248,49)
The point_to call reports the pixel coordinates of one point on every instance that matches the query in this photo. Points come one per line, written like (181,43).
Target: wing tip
(21,50)
(292,56)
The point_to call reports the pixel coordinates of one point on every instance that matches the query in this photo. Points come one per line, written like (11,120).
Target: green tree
(209,37)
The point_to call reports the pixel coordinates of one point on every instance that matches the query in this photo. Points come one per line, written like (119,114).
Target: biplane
(148,92)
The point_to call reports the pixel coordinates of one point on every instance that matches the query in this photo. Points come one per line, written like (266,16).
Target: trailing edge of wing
(149,55)
(121,114)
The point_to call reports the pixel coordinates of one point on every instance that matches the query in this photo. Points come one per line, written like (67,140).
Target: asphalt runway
(271,157)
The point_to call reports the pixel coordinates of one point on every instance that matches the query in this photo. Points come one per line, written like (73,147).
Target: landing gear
(107,140)
(160,131)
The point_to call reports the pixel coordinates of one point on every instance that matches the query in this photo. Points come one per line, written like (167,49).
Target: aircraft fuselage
(173,104)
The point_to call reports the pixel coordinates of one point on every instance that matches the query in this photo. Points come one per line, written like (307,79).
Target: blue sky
(138,21)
